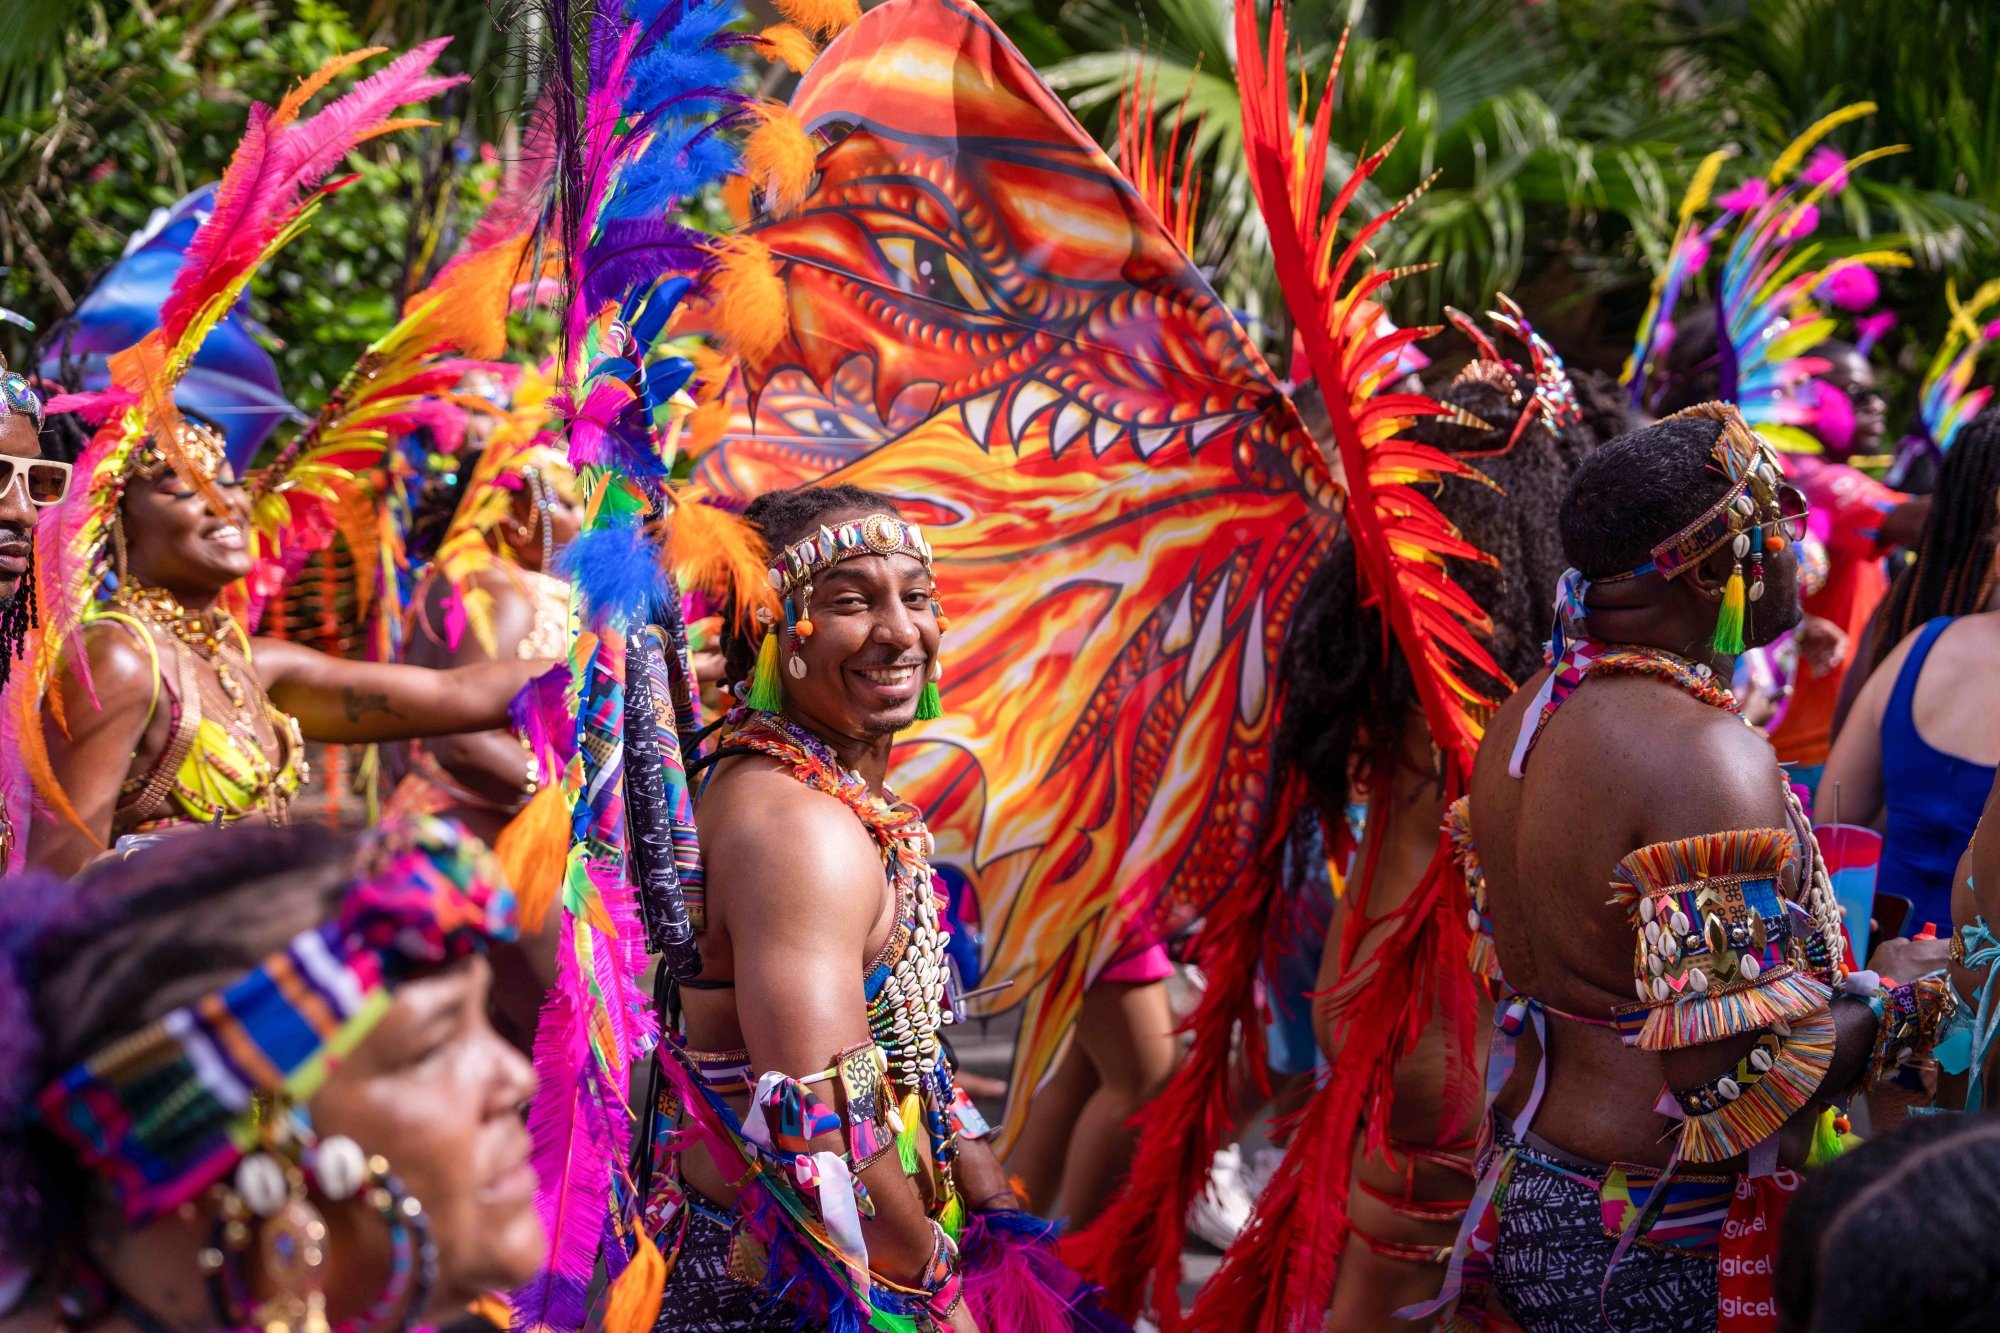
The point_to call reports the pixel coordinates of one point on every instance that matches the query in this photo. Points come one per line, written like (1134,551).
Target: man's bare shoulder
(1683,761)
(769,841)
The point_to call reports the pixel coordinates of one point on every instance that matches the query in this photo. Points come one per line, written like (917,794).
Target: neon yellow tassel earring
(1729,621)
(929,706)
(767,688)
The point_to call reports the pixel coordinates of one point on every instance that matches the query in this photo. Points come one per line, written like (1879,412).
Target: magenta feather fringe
(573,1155)
(1014,1281)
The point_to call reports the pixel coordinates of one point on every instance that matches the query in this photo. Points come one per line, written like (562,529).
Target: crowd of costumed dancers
(1481,844)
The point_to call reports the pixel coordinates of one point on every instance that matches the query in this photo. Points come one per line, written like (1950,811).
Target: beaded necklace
(909,1005)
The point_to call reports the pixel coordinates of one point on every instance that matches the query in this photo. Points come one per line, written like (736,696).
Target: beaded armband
(1458,827)
(1735,1111)
(1716,941)
(1912,1016)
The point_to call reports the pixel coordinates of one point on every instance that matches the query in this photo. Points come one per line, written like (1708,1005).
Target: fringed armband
(1738,1110)
(1714,955)
(1912,1015)
(1458,827)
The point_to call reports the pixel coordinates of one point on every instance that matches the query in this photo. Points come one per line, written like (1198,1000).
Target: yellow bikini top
(208,774)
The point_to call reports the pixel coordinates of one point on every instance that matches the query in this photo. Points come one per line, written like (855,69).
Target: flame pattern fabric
(989,323)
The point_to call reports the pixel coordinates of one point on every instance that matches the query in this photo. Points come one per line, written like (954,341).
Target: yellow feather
(783,42)
(1703,183)
(778,158)
(747,300)
(822,18)
(1795,153)
(714,550)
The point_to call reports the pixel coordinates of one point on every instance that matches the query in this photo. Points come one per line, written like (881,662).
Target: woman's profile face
(436,1091)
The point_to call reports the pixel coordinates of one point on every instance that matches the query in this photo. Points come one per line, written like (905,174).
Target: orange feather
(782,42)
(309,87)
(778,157)
(822,18)
(714,550)
(747,299)
(473,299)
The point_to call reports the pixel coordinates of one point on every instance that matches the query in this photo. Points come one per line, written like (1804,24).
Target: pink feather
(571,1153)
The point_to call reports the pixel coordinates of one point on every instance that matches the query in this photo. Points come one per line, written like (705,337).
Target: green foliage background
(1557,137)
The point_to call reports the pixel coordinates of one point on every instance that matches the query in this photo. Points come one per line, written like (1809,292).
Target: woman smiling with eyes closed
(169,713)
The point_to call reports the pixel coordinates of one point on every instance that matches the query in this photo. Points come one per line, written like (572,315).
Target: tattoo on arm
(360,705)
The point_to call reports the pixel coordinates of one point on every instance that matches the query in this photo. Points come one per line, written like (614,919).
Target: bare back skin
(1627,761)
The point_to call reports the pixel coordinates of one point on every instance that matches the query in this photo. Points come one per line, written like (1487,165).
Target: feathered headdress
(640,134)
(1281,1271)
(1947,400)
(274,181)
(341,475)
(1766,320)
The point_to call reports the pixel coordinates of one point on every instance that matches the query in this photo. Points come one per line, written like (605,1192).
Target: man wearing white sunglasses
(29,483)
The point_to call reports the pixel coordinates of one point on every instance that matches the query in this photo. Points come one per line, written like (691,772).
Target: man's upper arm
(1744,1037)
(799,886)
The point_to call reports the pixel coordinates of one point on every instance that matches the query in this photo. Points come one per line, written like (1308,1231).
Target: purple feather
(540,714)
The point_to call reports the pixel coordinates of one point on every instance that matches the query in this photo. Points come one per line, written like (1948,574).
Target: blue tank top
(1933,798)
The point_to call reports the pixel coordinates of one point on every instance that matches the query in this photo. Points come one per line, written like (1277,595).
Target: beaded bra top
(906,985)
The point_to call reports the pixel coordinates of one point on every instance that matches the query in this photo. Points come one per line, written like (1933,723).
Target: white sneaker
(1264,1163)
(1220,1211)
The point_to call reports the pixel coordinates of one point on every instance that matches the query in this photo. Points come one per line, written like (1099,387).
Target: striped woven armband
(1738,1110)
(1714,954)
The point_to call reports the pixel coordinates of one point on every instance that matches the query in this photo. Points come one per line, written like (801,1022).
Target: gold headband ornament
(792,573)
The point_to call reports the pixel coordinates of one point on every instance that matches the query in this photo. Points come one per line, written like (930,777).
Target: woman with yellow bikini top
(164,712)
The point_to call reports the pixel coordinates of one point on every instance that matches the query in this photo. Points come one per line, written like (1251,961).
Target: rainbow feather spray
(635,137)
(1947,399)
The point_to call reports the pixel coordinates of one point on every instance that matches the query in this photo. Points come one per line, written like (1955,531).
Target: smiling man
(814,1029)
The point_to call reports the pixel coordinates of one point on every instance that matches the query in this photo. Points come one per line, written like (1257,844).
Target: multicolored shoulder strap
(1583,658)
(898,829)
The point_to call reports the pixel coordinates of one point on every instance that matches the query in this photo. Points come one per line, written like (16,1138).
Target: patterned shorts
(702,1297)
(1553,1253)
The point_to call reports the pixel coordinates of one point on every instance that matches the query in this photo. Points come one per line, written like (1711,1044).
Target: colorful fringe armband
(1715,955)
(1738,1110)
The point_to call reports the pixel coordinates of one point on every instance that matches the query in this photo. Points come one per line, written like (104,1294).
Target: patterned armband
(870,1128)
(942,1285)
(1458,828)
(1738,1110)
(1715,955)
(1912,1016)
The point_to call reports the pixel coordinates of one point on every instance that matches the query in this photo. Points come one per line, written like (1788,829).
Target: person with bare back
(1660,908)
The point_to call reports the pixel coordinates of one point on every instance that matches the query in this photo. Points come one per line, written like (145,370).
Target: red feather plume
(1279,1275)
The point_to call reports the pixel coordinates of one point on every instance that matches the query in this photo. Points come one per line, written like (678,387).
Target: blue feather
(616,569)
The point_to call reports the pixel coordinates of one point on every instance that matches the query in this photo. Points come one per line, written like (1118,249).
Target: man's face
(874,639)
(1780,608)
(1850,373)
(17,514)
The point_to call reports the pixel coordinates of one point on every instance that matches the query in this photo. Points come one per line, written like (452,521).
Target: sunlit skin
(1642,746)
(194,544)
(17,515)
(798,904)
(435,1090)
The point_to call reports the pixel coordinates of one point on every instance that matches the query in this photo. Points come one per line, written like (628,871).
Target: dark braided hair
(17,618)
(787,516)
(85,963)
(1344,672)
(1902,1233)
(1953,571)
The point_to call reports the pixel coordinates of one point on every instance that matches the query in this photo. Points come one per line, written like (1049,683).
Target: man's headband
(877,534)
(166,1112)
(1750,464)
